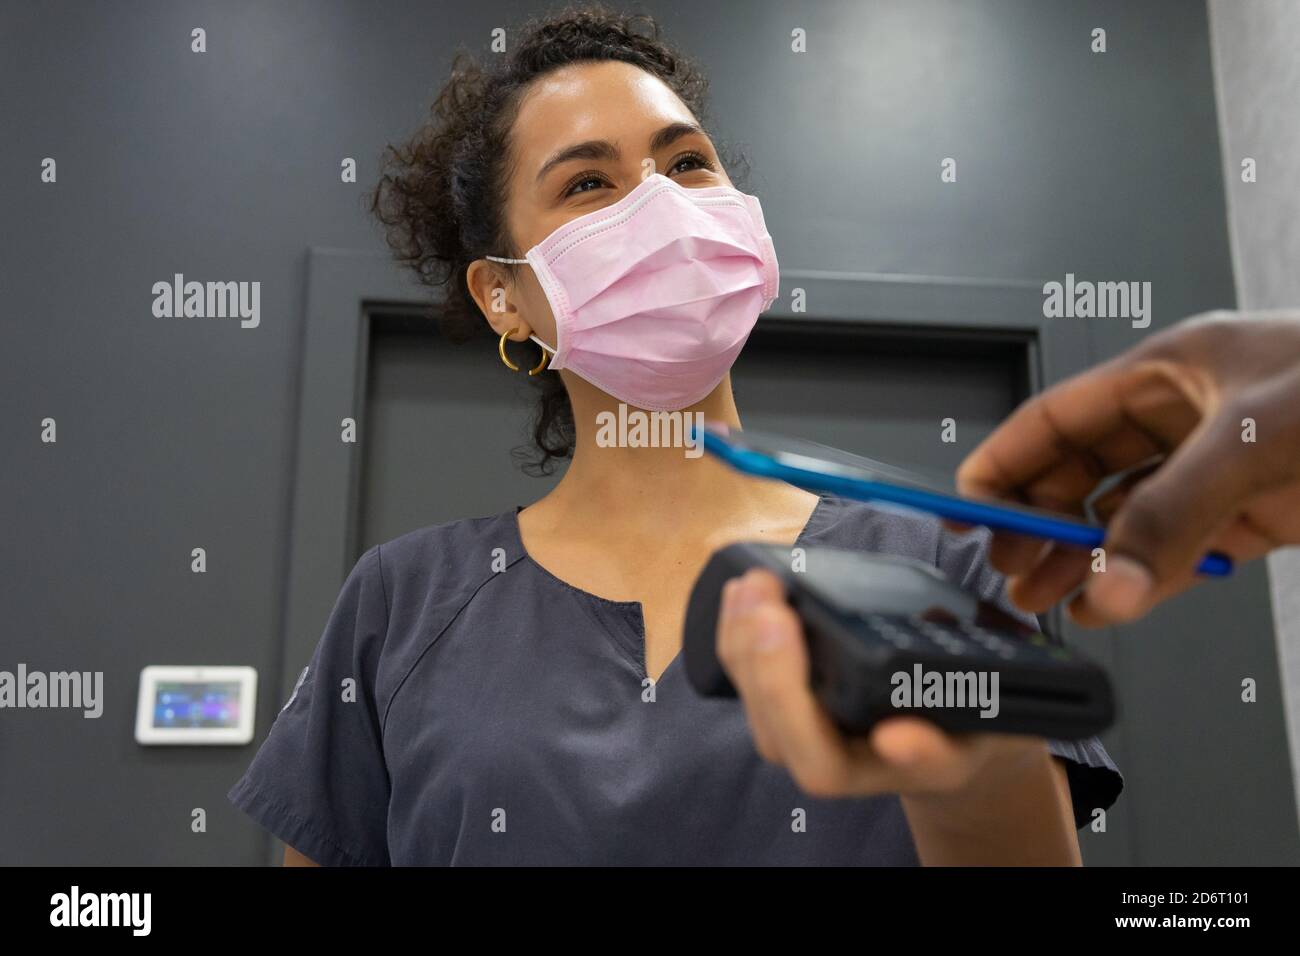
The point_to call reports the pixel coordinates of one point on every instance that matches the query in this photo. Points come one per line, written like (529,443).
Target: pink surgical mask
(655,296)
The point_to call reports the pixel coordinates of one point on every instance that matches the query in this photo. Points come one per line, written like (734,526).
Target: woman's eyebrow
(604,149)
(672,133)
(591,149)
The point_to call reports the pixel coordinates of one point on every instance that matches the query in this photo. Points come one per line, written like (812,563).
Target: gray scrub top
(458,713)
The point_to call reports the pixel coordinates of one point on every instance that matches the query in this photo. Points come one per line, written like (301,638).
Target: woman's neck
(636,468)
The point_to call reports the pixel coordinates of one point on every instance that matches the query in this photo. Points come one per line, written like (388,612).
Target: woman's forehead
(610,100)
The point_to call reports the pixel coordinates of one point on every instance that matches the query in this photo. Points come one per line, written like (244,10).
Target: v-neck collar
(624,621)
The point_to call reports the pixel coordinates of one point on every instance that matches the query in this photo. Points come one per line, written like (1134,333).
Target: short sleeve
(319,781)
(1095,781)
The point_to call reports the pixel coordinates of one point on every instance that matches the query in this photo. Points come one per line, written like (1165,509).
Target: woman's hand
(970,799)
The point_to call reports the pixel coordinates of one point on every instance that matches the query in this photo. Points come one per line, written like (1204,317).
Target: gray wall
(176,433)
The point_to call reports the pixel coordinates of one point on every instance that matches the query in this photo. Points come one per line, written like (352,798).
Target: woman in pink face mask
(573,205)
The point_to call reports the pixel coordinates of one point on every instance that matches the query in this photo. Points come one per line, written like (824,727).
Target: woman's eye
(584,185)
(690,162)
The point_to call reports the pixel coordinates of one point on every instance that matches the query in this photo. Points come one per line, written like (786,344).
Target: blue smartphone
(820,468)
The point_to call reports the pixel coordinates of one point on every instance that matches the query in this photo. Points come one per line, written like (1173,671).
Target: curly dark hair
(441,195)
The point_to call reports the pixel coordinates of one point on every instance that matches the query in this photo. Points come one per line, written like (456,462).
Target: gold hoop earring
(501,350)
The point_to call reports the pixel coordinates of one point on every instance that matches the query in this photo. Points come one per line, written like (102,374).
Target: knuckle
(1211,334)
(1139,519)
(1233,410)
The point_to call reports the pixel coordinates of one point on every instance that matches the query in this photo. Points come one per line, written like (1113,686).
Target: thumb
(1169,521)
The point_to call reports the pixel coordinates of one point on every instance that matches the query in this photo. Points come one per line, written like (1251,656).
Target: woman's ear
(494,291)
